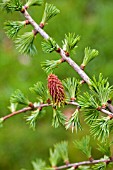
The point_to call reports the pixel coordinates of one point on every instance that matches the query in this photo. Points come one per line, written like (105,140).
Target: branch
(72,103)
(110,106)
(46,105)
(107,112)
(35,25)
(37,28)
(25,110)
(76,165)
(99,109)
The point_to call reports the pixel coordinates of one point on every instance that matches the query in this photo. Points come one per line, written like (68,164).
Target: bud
(56,89)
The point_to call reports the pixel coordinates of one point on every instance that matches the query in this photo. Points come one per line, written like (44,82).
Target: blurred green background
(93,21)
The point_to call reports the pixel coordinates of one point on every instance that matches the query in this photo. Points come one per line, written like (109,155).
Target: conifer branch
(24,110)
(82,74)
(90,104)
(46,105)
(110,106)
(72,103)
(76,165)
(60,154)
(35,25)
(110,114)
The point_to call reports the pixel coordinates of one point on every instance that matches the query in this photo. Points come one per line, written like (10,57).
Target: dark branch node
(67,54)
(41,25)
(58,50)
(109,101)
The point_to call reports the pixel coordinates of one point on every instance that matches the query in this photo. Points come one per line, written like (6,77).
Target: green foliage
(84,146)
(70,42)
(32,119)
(49,45)
(84,168)
(100,128)
(24,43)
(104,148)
(40,90)
(54,157)
(60,152)
(72,168)
(18,97)
(100,92)
(90,54)
(72,87)
(33,2)
(1,122)
(100,166)
(111,125)
(49,12)
(50,65)
(89,107)
(12,27)
(87,102)
(11,5)
(58,118)
(74,122)
(38,164)
(91,116)
(12,106)
(62,149)
(101,89)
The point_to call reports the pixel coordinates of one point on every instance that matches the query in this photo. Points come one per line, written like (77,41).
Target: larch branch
(84,163)
(82,74)
(101,109)
(25,110)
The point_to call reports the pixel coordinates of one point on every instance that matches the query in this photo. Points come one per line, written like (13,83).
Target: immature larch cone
(56,89)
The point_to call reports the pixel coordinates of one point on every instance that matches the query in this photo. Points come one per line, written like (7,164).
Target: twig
(84,163)
(46,105)
(72,103)
(110,107)
(25,110)
(82,74)
(100,109)
(35,25)
(107,112)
